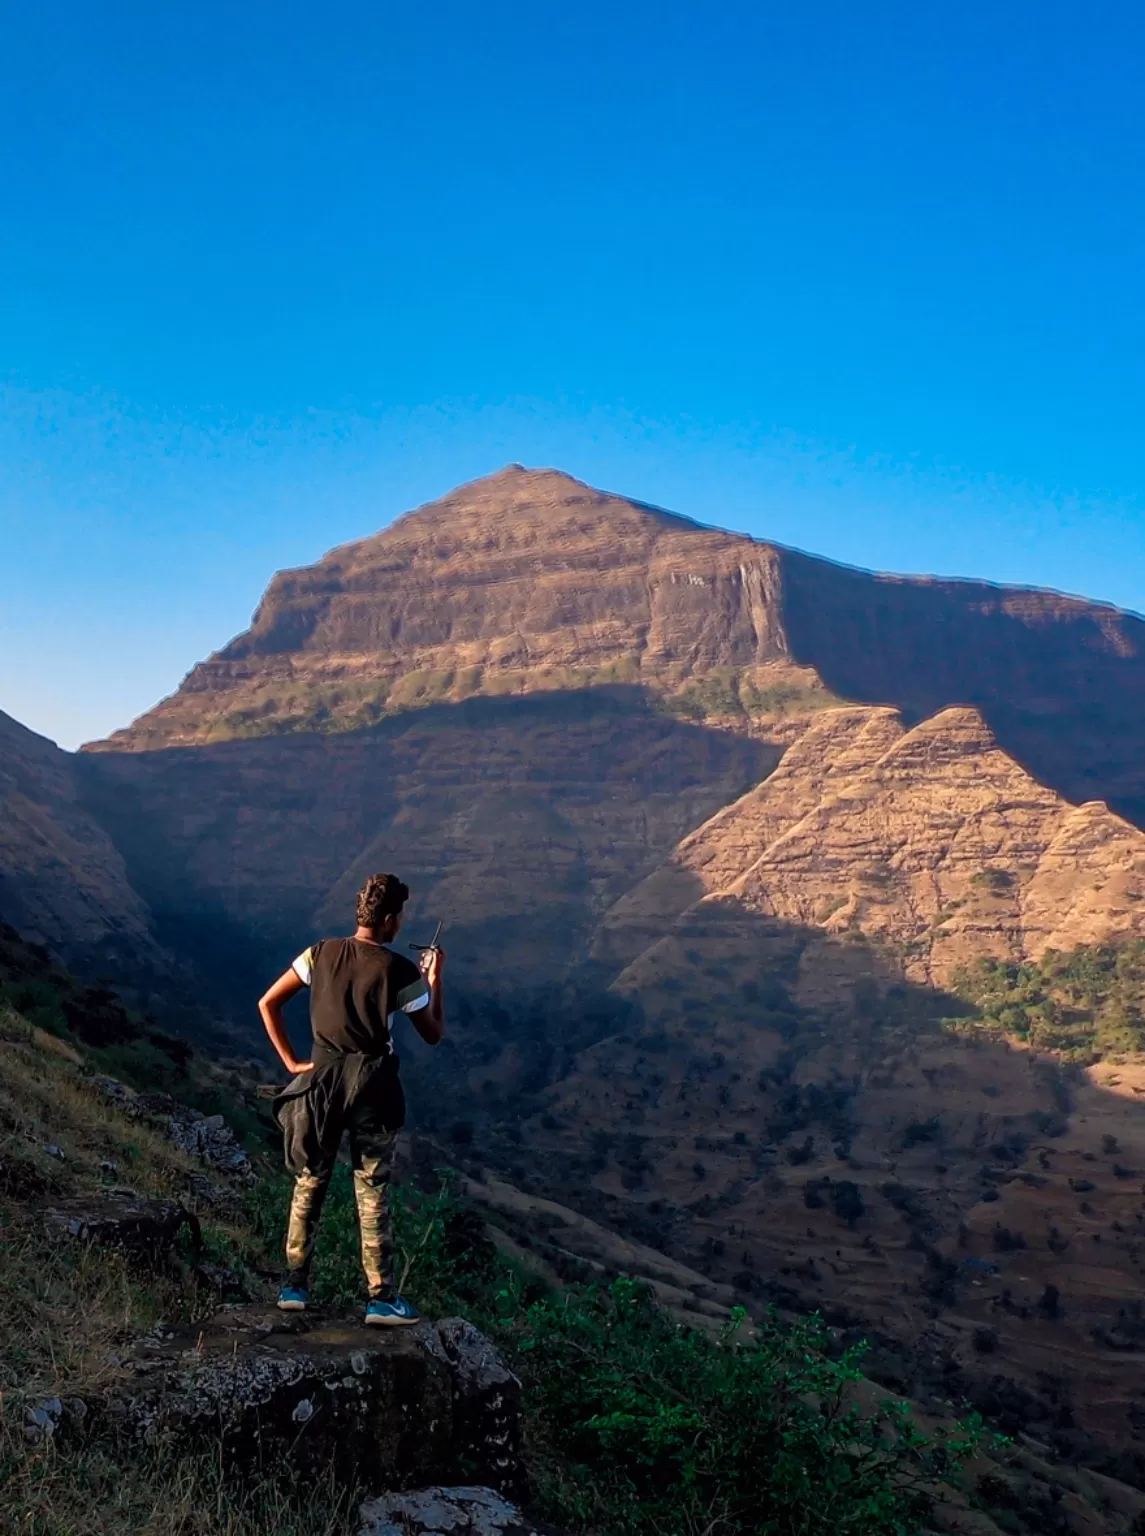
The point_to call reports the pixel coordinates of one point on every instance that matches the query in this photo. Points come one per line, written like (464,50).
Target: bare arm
(430,1020)
(270,1006)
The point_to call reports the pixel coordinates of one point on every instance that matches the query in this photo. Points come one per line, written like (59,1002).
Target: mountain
(531,581)
(794,912)
(516,820)
(556,710)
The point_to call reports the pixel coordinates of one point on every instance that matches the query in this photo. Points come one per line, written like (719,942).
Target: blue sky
(866,279)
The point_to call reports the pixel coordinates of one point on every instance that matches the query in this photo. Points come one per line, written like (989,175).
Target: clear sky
(863,278)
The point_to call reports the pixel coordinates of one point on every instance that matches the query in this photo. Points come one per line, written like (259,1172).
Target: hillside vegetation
(1083,1005)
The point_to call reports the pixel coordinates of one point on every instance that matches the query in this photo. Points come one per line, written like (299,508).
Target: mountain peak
(547,496)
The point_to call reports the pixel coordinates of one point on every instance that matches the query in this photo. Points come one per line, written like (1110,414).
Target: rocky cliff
(531,581)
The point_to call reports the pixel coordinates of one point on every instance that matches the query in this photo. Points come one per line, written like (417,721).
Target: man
(351,1084)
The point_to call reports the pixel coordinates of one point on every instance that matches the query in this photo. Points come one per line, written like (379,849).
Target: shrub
(660,1429)
(991,879)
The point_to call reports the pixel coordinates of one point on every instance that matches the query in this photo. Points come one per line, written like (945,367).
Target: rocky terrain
(146,1383)
(720,834)
(931,842)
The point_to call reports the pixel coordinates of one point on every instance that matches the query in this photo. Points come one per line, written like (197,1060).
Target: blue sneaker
(292,1298)
(391,1312)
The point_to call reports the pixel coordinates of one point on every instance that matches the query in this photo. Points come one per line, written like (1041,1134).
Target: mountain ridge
(532,581)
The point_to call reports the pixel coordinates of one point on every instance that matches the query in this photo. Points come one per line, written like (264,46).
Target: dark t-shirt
(355,990)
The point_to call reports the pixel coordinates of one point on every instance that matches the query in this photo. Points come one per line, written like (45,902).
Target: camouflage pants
(372,1159)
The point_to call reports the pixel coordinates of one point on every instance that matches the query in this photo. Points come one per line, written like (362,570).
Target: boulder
(446,1512)
(486,1404)
(122,1219)
(385,1408)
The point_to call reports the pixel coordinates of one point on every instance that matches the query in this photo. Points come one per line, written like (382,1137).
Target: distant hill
(62,880)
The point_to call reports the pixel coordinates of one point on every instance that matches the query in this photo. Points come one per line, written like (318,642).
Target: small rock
(44,1420)
(445,1512)
(53,1151)
(223,1280)
(45,1414)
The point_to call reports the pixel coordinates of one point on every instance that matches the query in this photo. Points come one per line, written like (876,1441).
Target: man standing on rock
(351,1085)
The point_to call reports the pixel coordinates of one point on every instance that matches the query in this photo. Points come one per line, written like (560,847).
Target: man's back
(355,989)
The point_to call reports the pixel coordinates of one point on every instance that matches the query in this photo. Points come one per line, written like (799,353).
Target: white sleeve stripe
(302,968)
(415,1003)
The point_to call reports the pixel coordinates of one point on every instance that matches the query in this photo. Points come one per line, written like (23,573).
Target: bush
(659,1428)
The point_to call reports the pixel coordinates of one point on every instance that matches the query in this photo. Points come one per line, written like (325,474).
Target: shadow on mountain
(923,646)
(516,819)
(769,1103)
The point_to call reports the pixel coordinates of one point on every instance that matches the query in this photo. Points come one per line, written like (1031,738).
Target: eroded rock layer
(932,841)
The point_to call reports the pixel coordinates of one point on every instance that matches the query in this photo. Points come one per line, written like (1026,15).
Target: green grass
(329,706)
(726,692)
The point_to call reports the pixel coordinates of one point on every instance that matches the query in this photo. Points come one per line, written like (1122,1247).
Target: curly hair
(382,896)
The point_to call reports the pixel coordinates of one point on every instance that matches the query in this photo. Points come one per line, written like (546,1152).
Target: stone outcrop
(411,1406)
(205,1137)
(463,1511)
(486,1403)
(121,1219)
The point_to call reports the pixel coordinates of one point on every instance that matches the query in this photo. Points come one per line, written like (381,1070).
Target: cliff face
(532,581)
(519,583)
